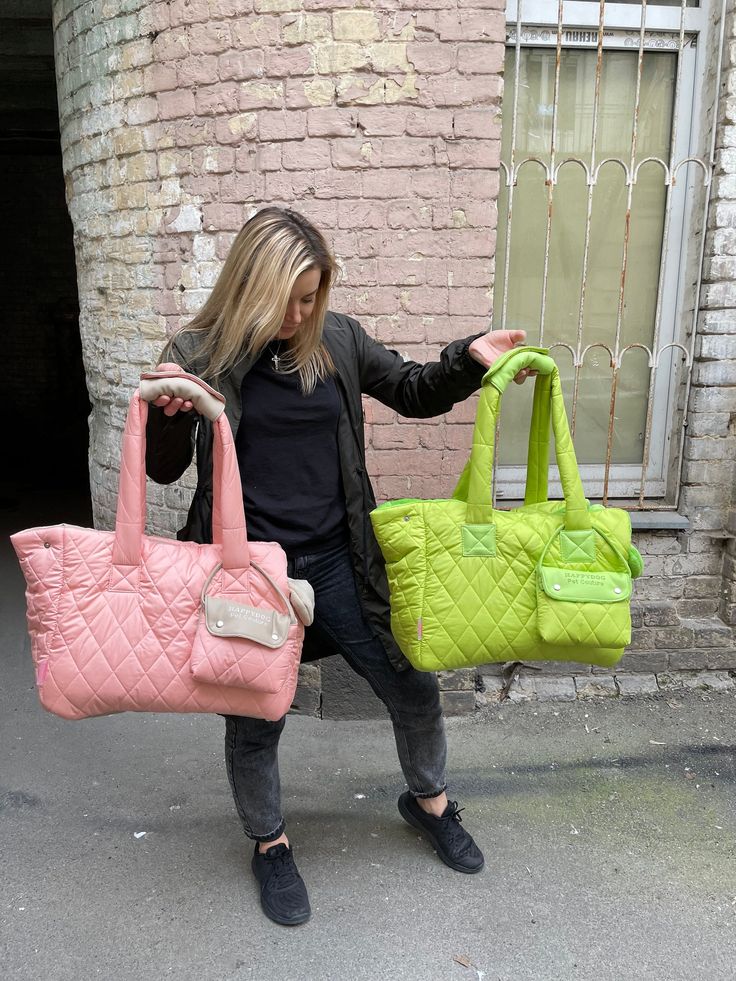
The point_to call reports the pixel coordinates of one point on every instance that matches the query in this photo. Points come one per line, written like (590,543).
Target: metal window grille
(694,35)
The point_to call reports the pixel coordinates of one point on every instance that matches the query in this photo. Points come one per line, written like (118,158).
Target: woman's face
(301,303)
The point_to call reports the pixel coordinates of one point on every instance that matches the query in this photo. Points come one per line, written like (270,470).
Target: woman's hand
(491,346)
(165,402)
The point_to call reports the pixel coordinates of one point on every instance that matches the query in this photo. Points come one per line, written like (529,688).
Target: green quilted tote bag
(550,580)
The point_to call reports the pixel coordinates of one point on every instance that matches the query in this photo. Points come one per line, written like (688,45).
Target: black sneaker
(283,894)
(452,842)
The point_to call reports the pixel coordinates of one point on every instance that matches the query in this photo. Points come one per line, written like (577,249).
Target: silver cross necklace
(276,359)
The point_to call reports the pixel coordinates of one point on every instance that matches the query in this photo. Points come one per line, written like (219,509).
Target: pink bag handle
(228,517)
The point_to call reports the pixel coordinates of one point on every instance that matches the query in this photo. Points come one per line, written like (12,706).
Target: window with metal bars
(607,157)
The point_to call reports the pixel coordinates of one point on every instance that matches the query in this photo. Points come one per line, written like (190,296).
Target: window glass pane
(607,231)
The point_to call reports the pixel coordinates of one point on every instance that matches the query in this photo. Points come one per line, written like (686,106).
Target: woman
(293,374)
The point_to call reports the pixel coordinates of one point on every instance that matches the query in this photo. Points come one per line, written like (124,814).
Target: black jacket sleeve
(413,389)
(169,439)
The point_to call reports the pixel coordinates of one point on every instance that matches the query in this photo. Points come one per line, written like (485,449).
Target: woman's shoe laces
(282,865)
(452,822)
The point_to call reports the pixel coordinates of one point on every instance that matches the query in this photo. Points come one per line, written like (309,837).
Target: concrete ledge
(533,687)
(640,520)
(659,520)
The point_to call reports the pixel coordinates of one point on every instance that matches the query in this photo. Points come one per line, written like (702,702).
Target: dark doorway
(46,432)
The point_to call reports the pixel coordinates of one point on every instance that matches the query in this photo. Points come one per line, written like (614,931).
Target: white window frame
(538,20)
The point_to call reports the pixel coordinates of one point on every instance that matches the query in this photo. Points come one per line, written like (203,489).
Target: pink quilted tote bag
(123,621)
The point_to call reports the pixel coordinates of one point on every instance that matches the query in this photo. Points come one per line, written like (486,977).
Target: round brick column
(179,119)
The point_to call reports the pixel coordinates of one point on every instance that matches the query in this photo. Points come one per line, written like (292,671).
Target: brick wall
(179,119)
(710,449)
(683,613)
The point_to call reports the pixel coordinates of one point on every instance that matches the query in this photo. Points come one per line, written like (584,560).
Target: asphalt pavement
(608,828)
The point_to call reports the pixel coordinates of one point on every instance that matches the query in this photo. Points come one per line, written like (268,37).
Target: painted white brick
(722,348)
(188,219)
(715,373)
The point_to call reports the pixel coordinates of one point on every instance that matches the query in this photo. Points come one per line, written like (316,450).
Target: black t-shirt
(289,460)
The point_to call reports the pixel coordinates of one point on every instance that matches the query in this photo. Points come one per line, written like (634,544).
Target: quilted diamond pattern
(115,617)
(478,609)
(588,625)
(456,602)
(113,650)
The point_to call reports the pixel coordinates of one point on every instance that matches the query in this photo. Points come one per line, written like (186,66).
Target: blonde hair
(248,303)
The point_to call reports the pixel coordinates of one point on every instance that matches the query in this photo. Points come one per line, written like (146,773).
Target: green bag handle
(537,459)
(537,464)
(538,452)
(474,485)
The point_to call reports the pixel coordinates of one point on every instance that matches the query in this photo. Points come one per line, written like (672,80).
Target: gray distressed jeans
(411,698)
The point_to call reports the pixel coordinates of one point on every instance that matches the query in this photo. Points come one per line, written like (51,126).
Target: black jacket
(363,366)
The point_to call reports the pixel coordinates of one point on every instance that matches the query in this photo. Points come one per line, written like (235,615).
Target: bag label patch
(224,618)
(585,587)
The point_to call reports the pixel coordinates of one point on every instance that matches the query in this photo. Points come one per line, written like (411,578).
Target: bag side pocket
(589,609)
